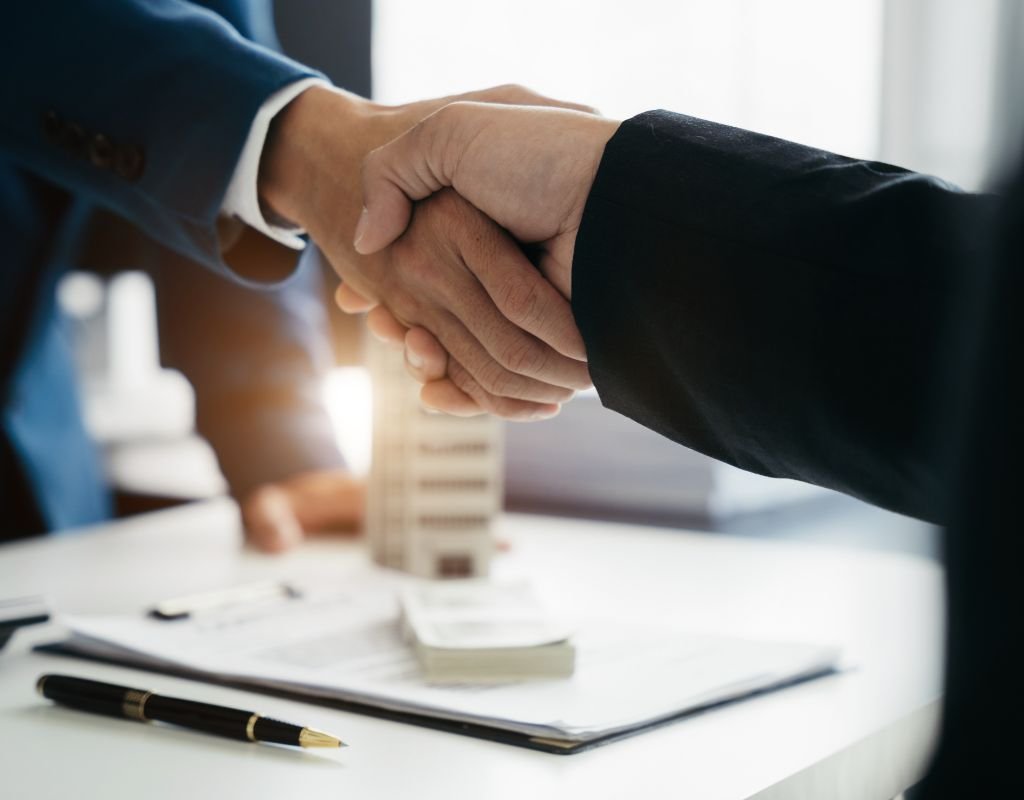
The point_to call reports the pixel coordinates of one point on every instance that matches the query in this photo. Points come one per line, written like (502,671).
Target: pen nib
(308,737)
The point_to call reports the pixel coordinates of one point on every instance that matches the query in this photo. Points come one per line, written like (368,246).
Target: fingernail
(361,228)
(414,359)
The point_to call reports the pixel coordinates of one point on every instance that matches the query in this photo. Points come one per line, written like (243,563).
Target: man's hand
(446,230)
(530,169)
(506,328)
(280,515)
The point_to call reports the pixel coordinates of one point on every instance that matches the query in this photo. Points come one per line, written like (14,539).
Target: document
(346,644)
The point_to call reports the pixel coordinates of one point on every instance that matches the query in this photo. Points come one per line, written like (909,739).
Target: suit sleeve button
(129,162)
(53,126)
(101,151)
(74,139)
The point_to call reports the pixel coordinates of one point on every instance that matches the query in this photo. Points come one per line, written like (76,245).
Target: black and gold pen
(136,704)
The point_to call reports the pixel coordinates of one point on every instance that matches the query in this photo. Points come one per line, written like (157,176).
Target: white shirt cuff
(242,198)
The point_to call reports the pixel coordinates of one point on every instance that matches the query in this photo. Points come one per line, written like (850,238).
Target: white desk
(863,735)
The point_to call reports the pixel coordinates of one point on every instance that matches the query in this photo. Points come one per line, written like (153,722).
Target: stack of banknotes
(479,631)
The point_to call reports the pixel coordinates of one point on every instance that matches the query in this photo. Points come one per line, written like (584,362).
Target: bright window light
(349,400)
(802,69)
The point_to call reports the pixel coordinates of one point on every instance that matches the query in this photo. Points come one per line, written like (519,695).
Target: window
(801,69)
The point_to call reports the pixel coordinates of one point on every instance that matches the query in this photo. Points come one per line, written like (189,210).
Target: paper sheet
(346,644)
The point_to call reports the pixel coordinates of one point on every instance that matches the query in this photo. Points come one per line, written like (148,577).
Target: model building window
(454,566)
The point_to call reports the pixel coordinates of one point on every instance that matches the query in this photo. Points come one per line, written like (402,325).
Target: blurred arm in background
(257,359)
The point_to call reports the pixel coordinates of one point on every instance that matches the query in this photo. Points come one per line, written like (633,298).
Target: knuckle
(445,111)
(495,379)
(515,93)
(522,356)
(431,128)
(486,401)
(467,384)
(508,408)
(489,378)
(432,134)
(519,300)
(423,131)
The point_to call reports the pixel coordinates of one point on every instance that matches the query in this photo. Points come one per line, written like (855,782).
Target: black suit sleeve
(778,307)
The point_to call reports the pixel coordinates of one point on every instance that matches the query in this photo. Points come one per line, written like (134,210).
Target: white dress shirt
(242,198)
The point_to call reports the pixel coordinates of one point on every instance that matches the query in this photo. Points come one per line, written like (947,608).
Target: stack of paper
(345,646)
(479,631)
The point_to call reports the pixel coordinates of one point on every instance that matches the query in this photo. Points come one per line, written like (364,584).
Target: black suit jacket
(848,323)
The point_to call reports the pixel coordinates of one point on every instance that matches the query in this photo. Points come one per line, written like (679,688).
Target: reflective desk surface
(864,734)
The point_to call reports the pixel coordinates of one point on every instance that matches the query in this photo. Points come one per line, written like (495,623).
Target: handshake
(453,222)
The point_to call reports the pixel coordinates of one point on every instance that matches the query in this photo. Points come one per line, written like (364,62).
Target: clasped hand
(528,169)
(499,332)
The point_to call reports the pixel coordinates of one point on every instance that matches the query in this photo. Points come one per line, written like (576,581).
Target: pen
(137,704)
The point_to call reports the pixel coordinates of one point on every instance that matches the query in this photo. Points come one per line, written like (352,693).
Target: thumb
(408,168)
(385,216)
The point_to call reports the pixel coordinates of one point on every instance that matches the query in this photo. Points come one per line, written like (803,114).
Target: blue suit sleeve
(140,106)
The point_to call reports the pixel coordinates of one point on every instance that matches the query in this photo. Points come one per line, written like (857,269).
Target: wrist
(314,147)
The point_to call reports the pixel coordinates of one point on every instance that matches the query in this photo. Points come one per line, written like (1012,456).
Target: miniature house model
(435,480)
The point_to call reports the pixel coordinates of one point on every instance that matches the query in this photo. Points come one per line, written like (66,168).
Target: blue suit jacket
(140,108)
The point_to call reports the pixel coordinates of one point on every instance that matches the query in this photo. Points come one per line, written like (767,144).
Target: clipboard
(473,730)
(18,612)
(344,647)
